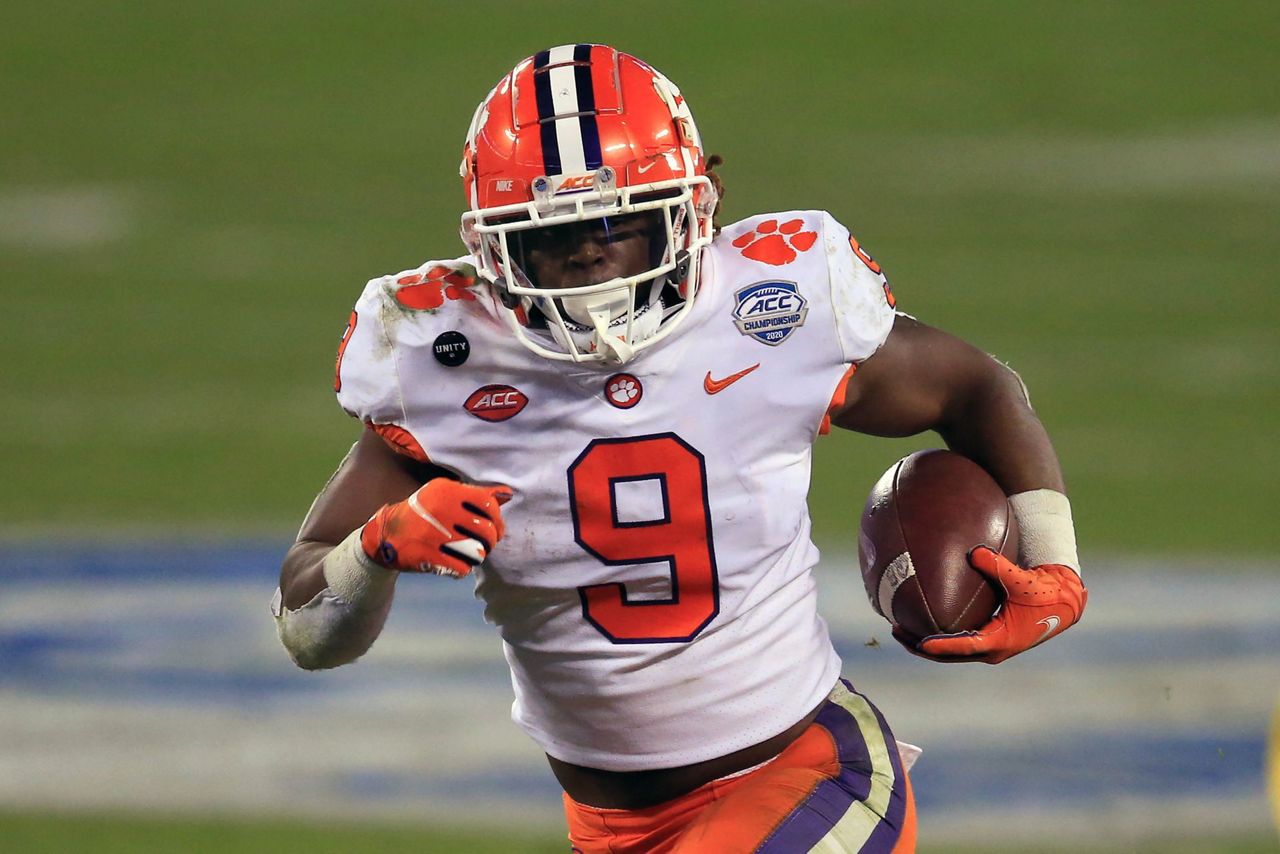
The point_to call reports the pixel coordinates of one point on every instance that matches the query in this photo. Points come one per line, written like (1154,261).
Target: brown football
(921,520)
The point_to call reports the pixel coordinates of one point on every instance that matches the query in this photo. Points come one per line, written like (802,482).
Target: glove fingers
(968,644)
(990,563)
(471,552)
(908,642)
(481,530)
(445,527)
(483,519)
(486,501)
(912,646)
(482,509)
(445,564)
(502,494)
(956,646)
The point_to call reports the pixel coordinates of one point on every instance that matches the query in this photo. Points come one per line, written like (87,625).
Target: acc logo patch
(769,311)
(496,402)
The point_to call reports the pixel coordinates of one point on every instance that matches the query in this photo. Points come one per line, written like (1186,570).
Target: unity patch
(769,311)
(451,348)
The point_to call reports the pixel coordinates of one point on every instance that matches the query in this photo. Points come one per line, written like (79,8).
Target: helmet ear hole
(508,299)
(682,264)
(681,278)
(684,129)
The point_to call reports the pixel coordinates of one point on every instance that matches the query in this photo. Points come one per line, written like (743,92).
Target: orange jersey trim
(837,400)
(342,349)
(401,441)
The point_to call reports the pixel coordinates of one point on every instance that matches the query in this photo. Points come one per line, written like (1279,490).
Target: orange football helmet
(586,133)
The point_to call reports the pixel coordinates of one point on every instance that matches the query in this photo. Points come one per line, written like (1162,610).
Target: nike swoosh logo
(717,386)
(1051,625)
(640,170)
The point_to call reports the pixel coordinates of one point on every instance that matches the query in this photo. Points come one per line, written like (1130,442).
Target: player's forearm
(993,424)
(998,429)
(302,573)
(332,603)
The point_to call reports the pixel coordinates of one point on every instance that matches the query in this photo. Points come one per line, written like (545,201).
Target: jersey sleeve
(861,301)
(366,379)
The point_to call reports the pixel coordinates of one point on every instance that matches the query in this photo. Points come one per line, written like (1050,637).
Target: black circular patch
(451,348)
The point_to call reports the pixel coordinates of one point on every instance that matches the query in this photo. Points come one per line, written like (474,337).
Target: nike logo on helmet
(716,386)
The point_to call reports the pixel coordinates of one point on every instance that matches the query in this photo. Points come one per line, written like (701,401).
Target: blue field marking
(1090,769)
(141,561)
(1161,696)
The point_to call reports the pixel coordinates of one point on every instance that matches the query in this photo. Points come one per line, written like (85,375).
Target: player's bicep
(371,475)
(916,381)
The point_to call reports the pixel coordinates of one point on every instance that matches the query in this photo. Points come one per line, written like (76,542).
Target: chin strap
(614,349)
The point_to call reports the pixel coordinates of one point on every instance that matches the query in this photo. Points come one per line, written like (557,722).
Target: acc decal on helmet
(585,133)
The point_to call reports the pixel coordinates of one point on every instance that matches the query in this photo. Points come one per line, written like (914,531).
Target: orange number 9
(681,538)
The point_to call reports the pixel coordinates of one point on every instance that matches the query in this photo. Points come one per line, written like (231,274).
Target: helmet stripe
(588,129)
(550,149)
(569,143)
(564,97)
(566,101)
(546,109)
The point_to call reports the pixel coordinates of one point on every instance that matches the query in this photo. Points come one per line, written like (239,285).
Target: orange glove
(1038,603)
(446,527)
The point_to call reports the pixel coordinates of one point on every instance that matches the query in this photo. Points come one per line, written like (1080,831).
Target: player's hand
(1038,603)
(446,527)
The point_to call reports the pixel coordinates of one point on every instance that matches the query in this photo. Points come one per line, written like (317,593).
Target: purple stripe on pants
(833,797)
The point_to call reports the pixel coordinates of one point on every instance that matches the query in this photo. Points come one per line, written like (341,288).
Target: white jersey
(653,590)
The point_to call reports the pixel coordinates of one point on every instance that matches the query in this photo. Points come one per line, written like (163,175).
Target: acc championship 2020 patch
(769,311)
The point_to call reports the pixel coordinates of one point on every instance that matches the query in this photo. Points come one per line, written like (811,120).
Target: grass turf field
(191,196)
(47,834)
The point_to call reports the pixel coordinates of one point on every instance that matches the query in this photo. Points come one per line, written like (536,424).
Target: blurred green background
(192,195)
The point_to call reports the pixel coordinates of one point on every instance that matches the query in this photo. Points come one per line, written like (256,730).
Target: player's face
(588,253)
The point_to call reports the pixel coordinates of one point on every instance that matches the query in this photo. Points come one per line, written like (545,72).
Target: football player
(603,412)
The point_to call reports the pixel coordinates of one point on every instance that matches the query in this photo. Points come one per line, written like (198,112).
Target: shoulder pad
(861,300)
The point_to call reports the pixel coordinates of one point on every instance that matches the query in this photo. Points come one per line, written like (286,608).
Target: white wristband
(354,577)
(1045,528)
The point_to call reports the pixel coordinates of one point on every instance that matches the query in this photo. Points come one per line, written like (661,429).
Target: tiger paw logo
(428,291)
(776,244)
(623,390)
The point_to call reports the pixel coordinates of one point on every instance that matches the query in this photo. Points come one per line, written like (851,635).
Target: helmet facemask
(604,321)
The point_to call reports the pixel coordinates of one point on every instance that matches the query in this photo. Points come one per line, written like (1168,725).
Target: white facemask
(599,325)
